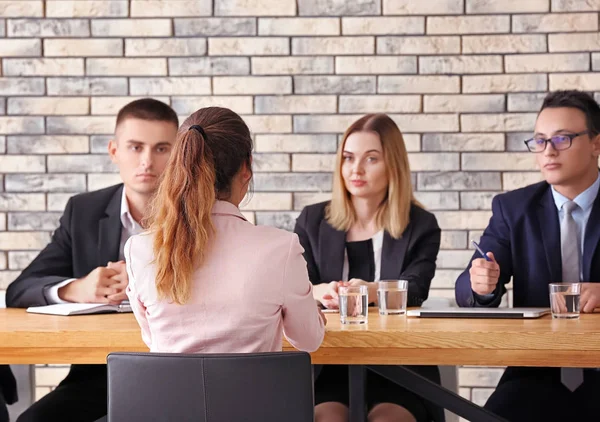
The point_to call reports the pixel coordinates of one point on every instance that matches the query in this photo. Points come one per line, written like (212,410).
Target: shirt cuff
(483,299)
(52,293)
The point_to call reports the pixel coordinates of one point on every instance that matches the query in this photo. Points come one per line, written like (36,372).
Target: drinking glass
(564,300)
(391,295)
(354,304)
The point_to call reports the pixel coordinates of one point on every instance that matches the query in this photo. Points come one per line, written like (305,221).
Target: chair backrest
(266,387)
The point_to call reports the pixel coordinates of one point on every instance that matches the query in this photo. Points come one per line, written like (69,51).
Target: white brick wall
(463,79)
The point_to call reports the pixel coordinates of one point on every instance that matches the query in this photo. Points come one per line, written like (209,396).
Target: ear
(596,146)
(112,150)
(247,171)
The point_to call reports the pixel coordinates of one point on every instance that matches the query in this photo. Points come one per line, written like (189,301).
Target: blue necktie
(572,378)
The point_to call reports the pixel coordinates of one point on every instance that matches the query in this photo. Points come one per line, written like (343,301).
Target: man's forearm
(30,291)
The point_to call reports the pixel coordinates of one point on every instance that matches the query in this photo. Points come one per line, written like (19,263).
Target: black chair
(265,387)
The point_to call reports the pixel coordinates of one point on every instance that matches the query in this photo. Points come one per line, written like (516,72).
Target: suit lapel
(332,247)
(109,231)
(591,239)
(547,216)
(393,254)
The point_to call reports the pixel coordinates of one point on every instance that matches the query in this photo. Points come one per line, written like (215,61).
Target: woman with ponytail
(202,279)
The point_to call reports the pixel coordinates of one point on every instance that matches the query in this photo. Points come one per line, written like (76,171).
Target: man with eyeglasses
(543,233)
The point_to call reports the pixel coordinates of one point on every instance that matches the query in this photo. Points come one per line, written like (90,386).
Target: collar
(226,208)
(219,208)
(585,199)
(126,218)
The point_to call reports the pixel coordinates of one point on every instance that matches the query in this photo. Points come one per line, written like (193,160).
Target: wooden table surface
(33,338)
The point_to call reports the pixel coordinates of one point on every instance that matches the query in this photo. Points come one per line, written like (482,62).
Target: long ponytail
(180,216)
(212,145)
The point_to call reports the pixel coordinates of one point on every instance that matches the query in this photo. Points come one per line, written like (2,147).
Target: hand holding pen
(484,272)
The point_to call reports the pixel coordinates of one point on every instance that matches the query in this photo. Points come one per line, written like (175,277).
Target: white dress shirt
(129,227)
(581,215)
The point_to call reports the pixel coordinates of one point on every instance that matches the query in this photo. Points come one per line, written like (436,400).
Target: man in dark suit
(543,233)
(84,260)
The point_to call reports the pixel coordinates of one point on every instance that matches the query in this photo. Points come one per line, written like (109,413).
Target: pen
(487,258)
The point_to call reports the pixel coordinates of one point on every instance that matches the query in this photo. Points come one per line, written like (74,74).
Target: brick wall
(463,79)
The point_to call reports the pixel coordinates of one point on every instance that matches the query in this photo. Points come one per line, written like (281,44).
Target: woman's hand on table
(371,288)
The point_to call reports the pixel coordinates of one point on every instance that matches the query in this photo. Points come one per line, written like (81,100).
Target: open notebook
(67,309)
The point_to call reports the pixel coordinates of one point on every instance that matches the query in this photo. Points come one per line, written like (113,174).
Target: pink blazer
(252,288)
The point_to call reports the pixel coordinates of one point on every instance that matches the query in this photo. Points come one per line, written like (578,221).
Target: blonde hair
(393,214)
(211,147)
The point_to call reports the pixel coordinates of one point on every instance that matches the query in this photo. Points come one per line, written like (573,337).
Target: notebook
(68,309)
(517,313)
(330,311)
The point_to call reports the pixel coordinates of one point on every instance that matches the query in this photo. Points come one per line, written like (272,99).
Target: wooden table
(32,338)
(381,345)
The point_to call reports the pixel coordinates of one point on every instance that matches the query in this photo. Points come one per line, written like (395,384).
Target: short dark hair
(576,99)
(148,109)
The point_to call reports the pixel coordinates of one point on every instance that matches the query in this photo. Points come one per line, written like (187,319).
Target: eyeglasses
(559,142)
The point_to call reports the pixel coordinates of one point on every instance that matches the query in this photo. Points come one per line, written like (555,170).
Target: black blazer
(89,236)
(412,257)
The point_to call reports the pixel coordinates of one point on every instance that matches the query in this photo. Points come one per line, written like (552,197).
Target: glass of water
(354,304)
(564,300)
(391,295)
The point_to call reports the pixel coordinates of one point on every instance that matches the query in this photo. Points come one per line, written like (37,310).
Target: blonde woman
(205,280)
(372,229)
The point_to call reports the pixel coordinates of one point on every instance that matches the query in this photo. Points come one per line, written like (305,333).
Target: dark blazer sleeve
(422,257)
(301,230)
(495,239)
(53,265)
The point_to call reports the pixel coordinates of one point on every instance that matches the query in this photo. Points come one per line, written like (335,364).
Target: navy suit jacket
(524,235)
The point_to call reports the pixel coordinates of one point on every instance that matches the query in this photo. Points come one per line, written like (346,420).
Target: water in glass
(565,305)
(392,301)
(354,307)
